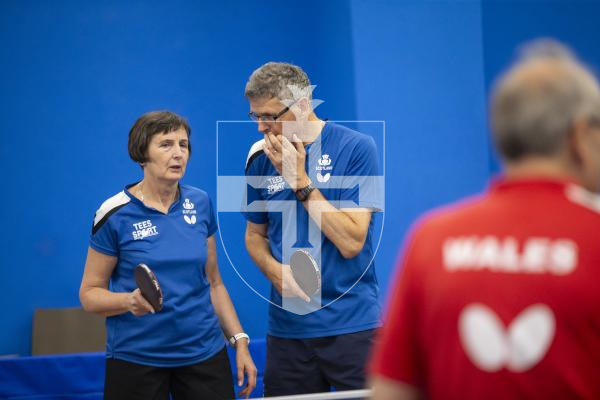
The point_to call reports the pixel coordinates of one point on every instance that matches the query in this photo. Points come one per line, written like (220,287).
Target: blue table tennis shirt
(344,152)
(174,246)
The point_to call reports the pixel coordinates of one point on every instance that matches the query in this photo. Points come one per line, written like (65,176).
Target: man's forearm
(347,234)
(260,252)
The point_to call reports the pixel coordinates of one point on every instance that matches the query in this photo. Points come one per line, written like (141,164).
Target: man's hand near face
(288,159)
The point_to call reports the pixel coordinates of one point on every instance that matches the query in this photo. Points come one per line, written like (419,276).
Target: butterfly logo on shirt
(518,346)
(323,178)
(190,219)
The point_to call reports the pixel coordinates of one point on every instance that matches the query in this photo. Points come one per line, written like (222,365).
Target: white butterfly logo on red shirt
(519,347)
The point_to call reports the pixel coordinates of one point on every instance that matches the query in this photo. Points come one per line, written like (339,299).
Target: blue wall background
(419,66)
(507,24)
(75,76)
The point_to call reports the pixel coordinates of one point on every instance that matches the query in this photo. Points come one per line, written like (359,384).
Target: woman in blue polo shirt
(169,227)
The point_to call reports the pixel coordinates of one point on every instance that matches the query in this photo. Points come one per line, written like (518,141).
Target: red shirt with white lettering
(498,297)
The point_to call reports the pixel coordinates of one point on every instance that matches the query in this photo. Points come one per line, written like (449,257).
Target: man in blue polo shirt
(310,186)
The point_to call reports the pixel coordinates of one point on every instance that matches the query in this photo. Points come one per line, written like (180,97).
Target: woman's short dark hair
(150,124)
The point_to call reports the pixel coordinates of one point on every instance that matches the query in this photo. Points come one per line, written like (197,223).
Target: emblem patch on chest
(324,168)
(189,214)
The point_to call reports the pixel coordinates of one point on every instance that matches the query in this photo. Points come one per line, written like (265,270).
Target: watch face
(303,193)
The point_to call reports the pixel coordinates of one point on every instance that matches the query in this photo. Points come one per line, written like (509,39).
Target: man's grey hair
(272,80)
(535,103)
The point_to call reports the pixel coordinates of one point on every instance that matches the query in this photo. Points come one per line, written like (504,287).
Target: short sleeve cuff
(256,218)
(102,249)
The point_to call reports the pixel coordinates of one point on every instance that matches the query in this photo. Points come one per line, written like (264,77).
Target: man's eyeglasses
(268,117)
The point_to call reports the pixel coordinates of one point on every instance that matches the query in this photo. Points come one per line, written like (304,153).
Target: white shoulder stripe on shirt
(117,200)
(256,147)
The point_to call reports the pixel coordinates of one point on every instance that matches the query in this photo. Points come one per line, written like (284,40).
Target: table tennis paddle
(149,286)
(306,272)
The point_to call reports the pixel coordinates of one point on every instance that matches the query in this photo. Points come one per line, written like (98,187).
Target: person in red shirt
(498,296)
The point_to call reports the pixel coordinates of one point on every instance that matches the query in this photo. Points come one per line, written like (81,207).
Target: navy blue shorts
(299,366)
